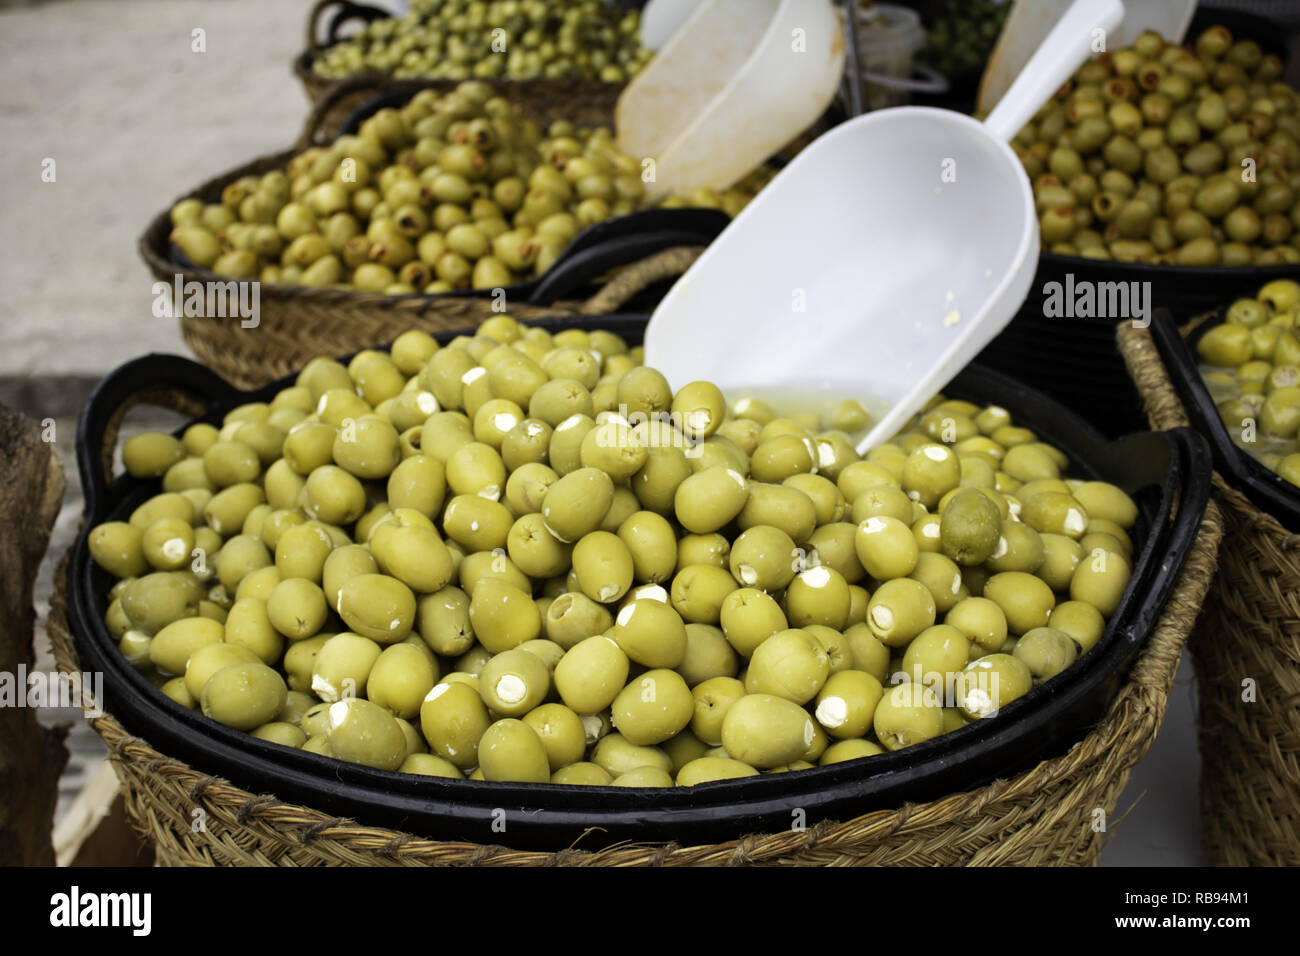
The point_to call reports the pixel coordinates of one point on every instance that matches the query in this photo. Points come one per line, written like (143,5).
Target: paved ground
(132,118)
(141,119)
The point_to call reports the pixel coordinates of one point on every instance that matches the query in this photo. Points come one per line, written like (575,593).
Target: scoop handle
(1071,41)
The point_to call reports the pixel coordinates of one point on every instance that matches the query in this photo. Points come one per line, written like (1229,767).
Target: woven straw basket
(298,323)
(1044,816)
(593,99)
(342,11)
(1250,751)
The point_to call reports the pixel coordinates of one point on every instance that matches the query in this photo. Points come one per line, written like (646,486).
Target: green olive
(502,615)
(709,499)
(899,610)
(243,696)
(651,633)
(982,620)
(846,704)
(617,755)
(699,591)
(1026,600)
(207,660)
(707,769)
(766,731)
(764,557)
(401,678)
(117,547)
(653,707)
(970,527)
(1046,651)
(149,455)
(363,732)
(907,714)
(514,682)
(377,606)
(886,547)
(453,720)
(1100,580)
(341,666)
(561,732)
(988,684)
(591,674)
(749,617)
(575,505)
(174,644)
(603,566)
(789,664)
(819,596)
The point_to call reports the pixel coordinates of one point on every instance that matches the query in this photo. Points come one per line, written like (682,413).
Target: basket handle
(1192,454)
(582,268)
(627,283)
(1159,397)
(629,241)
(346,11)
(165,381)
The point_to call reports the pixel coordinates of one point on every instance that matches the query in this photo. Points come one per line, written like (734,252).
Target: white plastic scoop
(660,19)
(880,261)
(1030,20)
(733,83)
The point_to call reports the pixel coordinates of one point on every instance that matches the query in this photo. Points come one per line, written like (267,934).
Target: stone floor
(112,92)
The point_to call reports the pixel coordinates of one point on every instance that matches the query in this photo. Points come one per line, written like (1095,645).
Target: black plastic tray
(1167,473)
(1268,490)
(1077,362)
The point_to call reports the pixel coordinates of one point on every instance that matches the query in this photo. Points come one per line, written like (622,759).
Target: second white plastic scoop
(734,82)
(880,261)
(1031,20)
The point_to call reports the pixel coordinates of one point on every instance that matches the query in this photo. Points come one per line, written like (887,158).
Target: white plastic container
(1031,20)
(889,36)
(735,82)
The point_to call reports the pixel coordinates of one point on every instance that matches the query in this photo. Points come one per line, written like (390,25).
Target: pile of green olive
(449,192)
(519,39)
(1166,154)
(1251,366)
(522,557)
(961,36)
